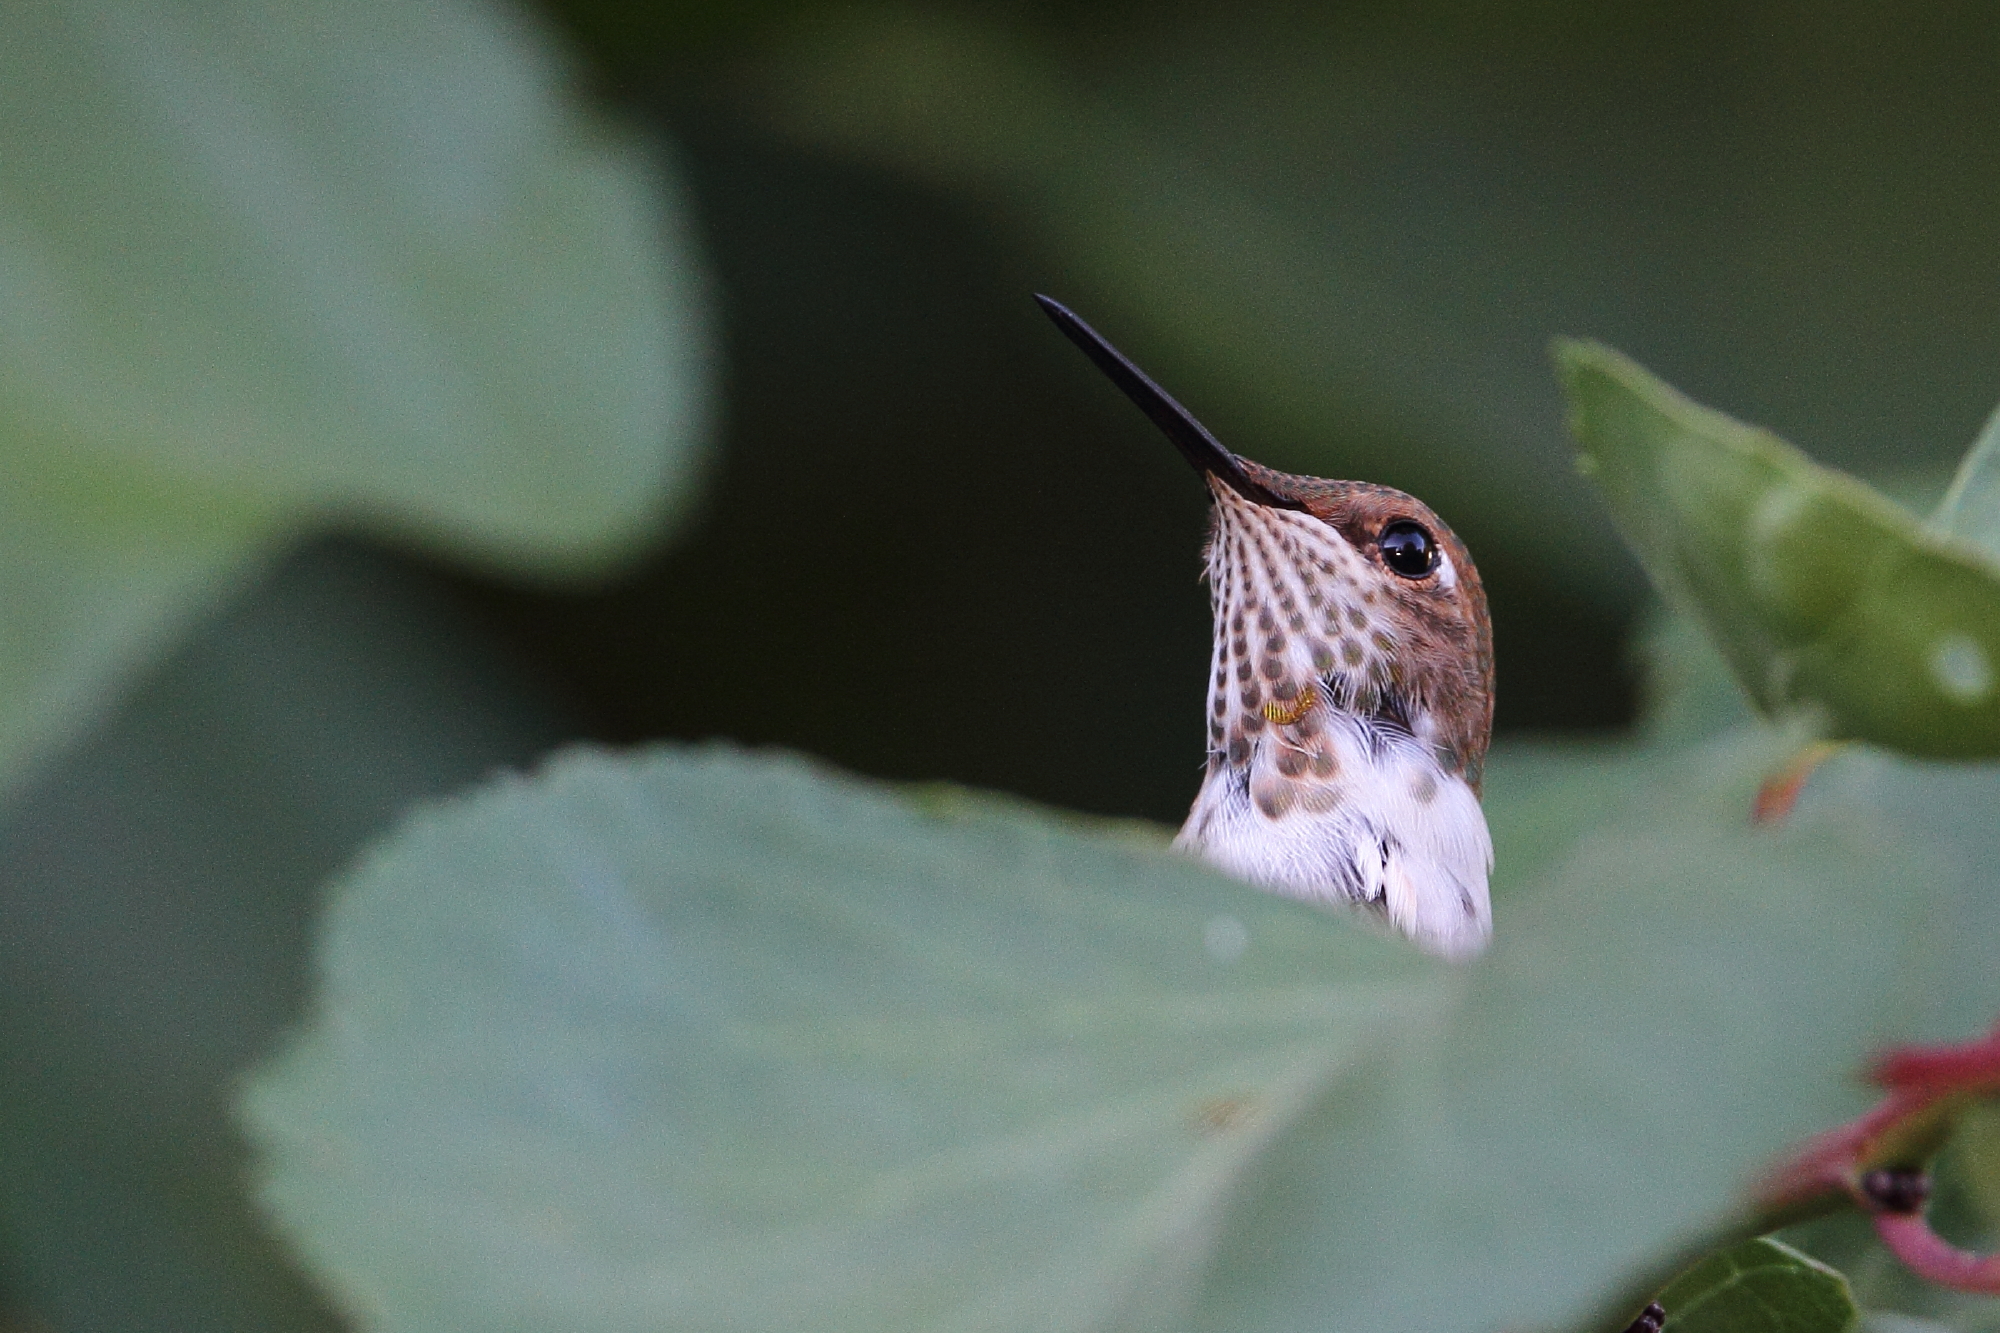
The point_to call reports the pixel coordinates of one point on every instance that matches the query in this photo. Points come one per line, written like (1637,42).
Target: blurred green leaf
(1825,596)
(90,584)
(359,256)
(1970,510)
(1690,692)
(160,878)
(700,1040)
(269,266)
(1759,1286)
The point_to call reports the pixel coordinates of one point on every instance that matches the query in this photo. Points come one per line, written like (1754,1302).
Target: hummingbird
(1350,696)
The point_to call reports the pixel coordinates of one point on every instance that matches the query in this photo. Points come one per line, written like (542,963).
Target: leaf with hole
(1827,598)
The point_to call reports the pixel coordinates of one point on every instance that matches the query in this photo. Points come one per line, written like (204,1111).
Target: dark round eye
(1408,548)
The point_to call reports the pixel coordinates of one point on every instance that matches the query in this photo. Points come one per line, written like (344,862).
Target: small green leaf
(1759,1286)
(1827,598)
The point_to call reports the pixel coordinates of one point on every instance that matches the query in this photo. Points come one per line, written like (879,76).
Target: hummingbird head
(1350,698)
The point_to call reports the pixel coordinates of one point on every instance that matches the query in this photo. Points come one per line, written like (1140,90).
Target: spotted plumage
(1350,695)
(1349,713)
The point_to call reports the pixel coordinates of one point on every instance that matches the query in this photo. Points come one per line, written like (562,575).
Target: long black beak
(1189,436)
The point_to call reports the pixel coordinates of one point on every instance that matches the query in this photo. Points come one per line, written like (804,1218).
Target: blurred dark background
(932,542)
(935,545)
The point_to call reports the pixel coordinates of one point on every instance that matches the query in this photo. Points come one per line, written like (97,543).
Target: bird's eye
(1408,548)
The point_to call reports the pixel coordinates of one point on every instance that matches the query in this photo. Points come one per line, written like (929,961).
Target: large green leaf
(703,1040)
(697,1040)
(266,266)
(1826,597)
(1759,1286)
(358,256)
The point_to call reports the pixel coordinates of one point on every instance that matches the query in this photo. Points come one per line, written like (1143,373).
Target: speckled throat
(1352,693)
(1338,765)
(1297,622)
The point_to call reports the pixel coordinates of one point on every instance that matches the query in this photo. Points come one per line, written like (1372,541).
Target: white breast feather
(1424,865)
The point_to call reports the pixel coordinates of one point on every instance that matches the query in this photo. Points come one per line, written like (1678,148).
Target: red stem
(1910,1238)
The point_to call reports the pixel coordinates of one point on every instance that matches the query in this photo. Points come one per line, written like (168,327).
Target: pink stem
(1971,1067)
(1910,1238)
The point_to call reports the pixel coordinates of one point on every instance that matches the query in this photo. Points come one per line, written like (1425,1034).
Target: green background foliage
(1830,600)
(355,364)
(243,300)
(726,1042)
